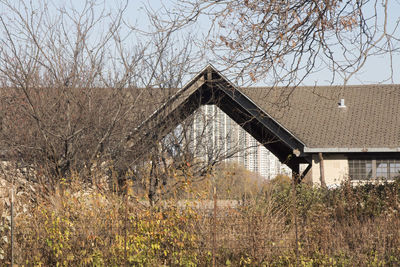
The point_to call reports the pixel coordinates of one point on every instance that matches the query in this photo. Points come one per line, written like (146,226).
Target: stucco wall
(336,169)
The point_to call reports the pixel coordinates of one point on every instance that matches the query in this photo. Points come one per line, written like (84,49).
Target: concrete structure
(337,133)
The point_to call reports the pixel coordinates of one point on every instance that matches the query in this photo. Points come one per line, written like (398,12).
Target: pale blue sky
(375,70)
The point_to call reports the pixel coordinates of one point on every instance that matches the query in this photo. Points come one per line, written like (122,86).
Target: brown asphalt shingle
(370,119)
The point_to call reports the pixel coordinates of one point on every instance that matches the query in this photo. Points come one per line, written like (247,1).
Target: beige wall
(336,169)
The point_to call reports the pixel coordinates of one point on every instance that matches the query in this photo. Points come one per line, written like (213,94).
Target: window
(394,169)
(360,169)
(365,169)
(382,169)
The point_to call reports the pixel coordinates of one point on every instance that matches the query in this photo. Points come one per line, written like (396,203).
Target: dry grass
(77,225)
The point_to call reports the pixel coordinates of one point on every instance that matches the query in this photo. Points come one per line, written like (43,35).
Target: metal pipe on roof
(341,103)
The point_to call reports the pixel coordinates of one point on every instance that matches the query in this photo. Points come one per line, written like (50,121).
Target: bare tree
(76,81)
(73,87)
(283,42)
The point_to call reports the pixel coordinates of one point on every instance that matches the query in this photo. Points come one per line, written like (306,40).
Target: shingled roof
(369,122)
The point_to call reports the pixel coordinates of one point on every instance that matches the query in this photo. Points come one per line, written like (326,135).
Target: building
(336,133)
(228,138)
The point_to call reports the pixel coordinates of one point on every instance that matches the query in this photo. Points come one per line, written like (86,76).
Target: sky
(375,70)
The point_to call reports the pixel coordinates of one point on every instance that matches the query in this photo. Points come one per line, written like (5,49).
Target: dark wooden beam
(305,172)
(267,121)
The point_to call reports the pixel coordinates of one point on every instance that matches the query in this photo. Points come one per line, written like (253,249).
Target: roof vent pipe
(341,103)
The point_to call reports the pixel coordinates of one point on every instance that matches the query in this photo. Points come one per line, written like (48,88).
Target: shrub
(81,226)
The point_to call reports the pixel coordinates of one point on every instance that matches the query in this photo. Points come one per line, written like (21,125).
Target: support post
(322,170)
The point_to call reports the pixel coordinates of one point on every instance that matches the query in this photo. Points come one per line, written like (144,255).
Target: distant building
(213,128)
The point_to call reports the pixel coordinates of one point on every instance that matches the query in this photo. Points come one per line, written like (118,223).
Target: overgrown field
(78,225)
